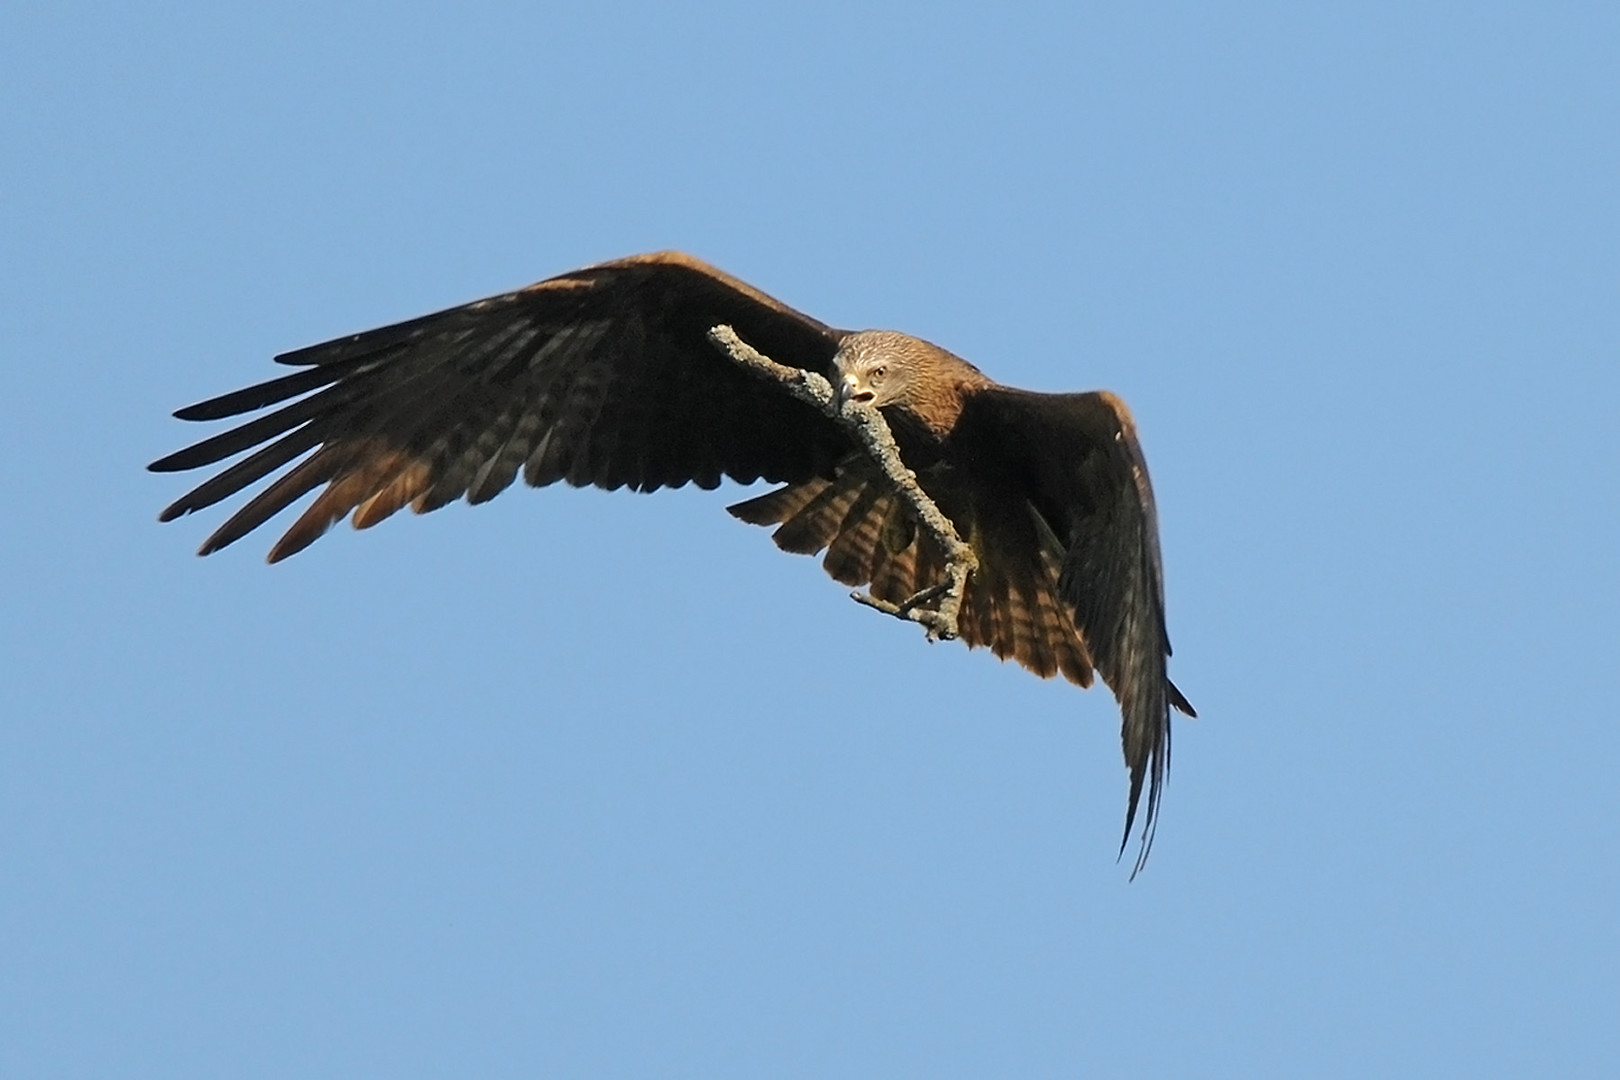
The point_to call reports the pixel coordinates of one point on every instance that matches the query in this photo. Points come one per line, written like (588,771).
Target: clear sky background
(587,784)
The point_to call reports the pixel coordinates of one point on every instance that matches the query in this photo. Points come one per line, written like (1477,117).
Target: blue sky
(579,784)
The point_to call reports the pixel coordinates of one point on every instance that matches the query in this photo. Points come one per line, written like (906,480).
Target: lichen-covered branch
(866,424)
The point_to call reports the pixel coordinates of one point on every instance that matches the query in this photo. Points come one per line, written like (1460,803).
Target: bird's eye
(878,372)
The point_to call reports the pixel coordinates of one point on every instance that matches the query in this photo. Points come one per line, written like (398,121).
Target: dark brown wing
(1076,459)
(1052,493)
(601,376)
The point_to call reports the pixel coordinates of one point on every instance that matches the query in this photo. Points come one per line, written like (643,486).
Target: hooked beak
(850,388)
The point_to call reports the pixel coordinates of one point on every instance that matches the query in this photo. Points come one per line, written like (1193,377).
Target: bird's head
(876,367)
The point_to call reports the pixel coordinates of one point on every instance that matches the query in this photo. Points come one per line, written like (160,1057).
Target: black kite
(606,376)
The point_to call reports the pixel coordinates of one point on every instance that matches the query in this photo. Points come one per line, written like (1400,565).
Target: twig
(863,421)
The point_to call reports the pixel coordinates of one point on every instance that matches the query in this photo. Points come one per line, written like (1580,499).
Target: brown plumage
(605,376)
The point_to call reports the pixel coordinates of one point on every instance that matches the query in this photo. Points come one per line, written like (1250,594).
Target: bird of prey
(606,376)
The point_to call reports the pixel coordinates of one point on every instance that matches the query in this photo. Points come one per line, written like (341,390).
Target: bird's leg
(867,426)
(941,621)
(911,609)
(923,596)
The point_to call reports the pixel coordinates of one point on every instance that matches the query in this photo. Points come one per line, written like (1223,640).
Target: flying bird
(606,376)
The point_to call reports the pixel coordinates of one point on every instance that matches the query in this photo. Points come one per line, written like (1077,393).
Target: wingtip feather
(1179,701)
(170,462)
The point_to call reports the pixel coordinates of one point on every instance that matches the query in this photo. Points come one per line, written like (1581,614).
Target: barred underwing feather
(816,524)
(849,555)
(781,504)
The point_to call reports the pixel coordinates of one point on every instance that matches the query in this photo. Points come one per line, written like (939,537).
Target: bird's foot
(939,626)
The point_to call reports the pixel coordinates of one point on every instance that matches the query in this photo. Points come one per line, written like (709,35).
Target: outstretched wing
(1053,495)
(601,376)
(1076,459)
